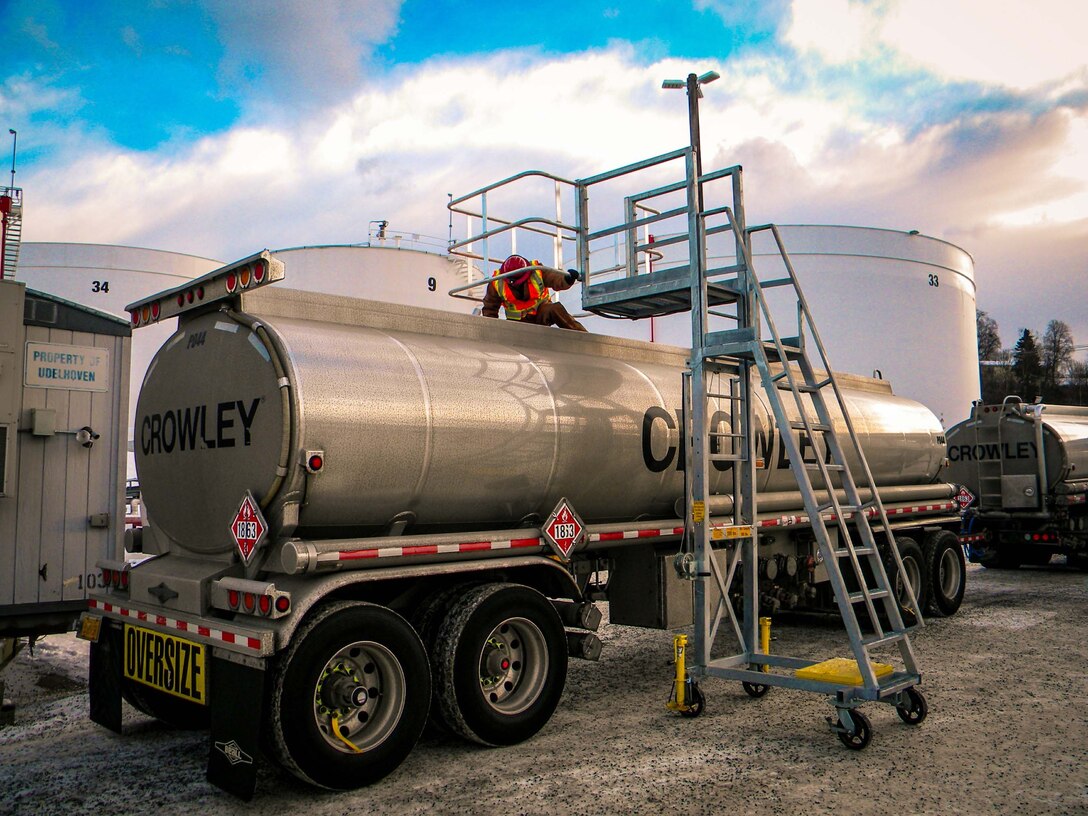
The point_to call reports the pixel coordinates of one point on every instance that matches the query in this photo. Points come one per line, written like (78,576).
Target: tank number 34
(100,286)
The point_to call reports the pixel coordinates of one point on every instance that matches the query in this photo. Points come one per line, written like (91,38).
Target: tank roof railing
(553,228)
(637,251)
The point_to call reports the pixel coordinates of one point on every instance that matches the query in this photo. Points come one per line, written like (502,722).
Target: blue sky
(215,127)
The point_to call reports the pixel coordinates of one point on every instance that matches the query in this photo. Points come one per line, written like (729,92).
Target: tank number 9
(432,284)
(934,280)
(100,286)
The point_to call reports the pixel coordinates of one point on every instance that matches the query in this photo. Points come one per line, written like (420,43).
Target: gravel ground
(1006,680)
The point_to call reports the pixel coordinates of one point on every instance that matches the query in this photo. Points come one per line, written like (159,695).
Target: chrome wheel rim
(513,666)
(950,574)
(359,697)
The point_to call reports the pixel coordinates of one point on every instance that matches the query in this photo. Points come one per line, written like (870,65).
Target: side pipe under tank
(787,500)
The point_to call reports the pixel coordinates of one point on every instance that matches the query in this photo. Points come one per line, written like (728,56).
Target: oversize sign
(165,662)
(73,368)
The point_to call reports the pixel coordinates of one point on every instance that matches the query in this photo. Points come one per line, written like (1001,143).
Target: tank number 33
(934,280)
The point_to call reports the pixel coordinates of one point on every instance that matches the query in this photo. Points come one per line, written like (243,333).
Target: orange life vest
(536,294)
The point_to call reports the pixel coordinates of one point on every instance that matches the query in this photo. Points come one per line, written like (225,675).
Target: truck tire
(500,664)
(945,572)
(914,566)
(165,708)
(363,668)
(426,619)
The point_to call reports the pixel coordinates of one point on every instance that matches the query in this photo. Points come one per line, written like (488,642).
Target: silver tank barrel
(454,421)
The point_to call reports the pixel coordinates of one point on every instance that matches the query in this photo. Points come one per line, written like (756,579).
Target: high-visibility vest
(536,294)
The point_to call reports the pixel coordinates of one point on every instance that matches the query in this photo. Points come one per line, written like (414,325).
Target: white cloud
(838,30)
(1016,45)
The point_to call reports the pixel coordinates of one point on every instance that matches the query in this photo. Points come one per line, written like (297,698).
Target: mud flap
(105,679)
(237,700)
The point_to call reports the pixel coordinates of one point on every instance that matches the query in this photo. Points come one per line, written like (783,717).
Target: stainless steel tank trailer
(360,515)
(1026,469)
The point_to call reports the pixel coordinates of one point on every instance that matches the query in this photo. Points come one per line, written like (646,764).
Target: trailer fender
(546,575)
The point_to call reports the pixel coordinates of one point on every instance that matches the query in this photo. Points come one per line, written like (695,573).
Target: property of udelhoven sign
(74,368)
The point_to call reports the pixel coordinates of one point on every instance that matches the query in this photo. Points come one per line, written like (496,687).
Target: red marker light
(189,296)
(135,318)
(232,281)
(200,293)
(155,310)
(265,602)
(258,271)
(124,579)
(105,577)
(249,600)
(315,463)
(232,598)
(283,603)
(181,300)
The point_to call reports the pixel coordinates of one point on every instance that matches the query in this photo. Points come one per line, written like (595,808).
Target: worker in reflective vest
(526,297)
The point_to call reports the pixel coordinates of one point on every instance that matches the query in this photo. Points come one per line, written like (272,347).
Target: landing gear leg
(687,697)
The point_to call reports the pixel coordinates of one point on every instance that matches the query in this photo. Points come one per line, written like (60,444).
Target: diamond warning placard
(563,529)
(248,527)
(964,498)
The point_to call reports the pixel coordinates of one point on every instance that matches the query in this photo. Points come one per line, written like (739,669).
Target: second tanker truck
(1026,466)
(360,515)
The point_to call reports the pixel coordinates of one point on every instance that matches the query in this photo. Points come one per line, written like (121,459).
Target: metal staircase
(794,373)
(11,212)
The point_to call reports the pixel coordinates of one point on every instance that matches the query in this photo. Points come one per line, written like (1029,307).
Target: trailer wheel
(500,664)
(946,572)
(914,569)
(349,697)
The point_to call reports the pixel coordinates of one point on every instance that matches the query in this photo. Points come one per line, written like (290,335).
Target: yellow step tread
(840,670)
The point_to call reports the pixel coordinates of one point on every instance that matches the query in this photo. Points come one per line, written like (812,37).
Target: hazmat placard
(73,368)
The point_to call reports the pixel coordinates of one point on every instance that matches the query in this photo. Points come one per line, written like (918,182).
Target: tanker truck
(1026,467)
(362,515)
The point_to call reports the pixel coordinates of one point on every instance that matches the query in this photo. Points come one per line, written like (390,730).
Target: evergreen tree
(1027,366)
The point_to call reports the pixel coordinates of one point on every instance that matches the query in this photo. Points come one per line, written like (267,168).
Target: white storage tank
(899,303)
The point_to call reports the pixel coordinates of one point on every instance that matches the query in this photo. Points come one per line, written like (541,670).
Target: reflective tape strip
(969,539)
(440,549)
(621,535)
(224,636)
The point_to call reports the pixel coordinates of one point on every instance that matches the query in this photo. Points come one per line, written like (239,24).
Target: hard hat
(515,262)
